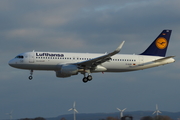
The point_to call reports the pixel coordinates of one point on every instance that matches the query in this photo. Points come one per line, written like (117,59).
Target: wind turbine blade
(70,109)
(11,112)
(156,107)
(75,110)
(118,109)
(159,111)
(124,109)
(74,104)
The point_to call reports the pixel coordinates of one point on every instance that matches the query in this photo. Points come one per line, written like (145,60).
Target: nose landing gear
(31,73)
(30,77)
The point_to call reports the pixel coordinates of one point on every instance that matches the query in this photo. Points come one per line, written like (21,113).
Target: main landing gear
(86,79)
(31,73)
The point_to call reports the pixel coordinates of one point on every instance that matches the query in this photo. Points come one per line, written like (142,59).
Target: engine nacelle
(67,71)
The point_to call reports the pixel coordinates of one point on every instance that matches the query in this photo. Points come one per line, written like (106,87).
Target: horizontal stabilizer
(158,60)
(165,58)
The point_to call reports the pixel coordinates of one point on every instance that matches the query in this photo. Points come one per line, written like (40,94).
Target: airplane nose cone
(14,63)
(11,63)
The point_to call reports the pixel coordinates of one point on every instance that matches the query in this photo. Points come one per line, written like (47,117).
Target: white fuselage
(68,64)
(118,63)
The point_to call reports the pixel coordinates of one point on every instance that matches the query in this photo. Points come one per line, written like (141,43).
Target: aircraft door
(141,60)
(31,57)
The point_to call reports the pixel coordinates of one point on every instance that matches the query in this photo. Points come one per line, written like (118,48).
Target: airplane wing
(99,60)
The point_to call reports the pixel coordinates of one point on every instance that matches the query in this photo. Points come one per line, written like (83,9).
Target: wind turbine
(157,110)
(74,109)
(10,114)
(121,111)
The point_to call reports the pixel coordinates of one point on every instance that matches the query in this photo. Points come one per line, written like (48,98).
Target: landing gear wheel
(85,80)
(31,73)
(89,77)
(30,77)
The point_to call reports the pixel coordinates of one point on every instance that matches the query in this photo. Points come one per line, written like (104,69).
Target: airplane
(68,64)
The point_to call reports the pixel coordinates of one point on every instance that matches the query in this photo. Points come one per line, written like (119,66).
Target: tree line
(38,118)
(159,117)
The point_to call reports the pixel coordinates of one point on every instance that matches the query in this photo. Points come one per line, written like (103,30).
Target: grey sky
(86,26)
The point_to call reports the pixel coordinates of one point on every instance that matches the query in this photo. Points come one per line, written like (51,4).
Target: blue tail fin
(160,45)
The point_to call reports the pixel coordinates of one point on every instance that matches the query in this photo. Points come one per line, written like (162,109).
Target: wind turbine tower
(121,112)
(74,110)
(157,110)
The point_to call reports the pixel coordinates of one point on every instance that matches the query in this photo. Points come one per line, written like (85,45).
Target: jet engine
(67,71)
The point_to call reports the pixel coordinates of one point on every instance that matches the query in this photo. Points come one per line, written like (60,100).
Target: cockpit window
(19,56)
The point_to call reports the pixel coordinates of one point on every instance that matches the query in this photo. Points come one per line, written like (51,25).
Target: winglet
(101,59)
(119,48)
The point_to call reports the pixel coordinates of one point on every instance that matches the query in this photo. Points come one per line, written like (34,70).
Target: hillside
(99,116)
